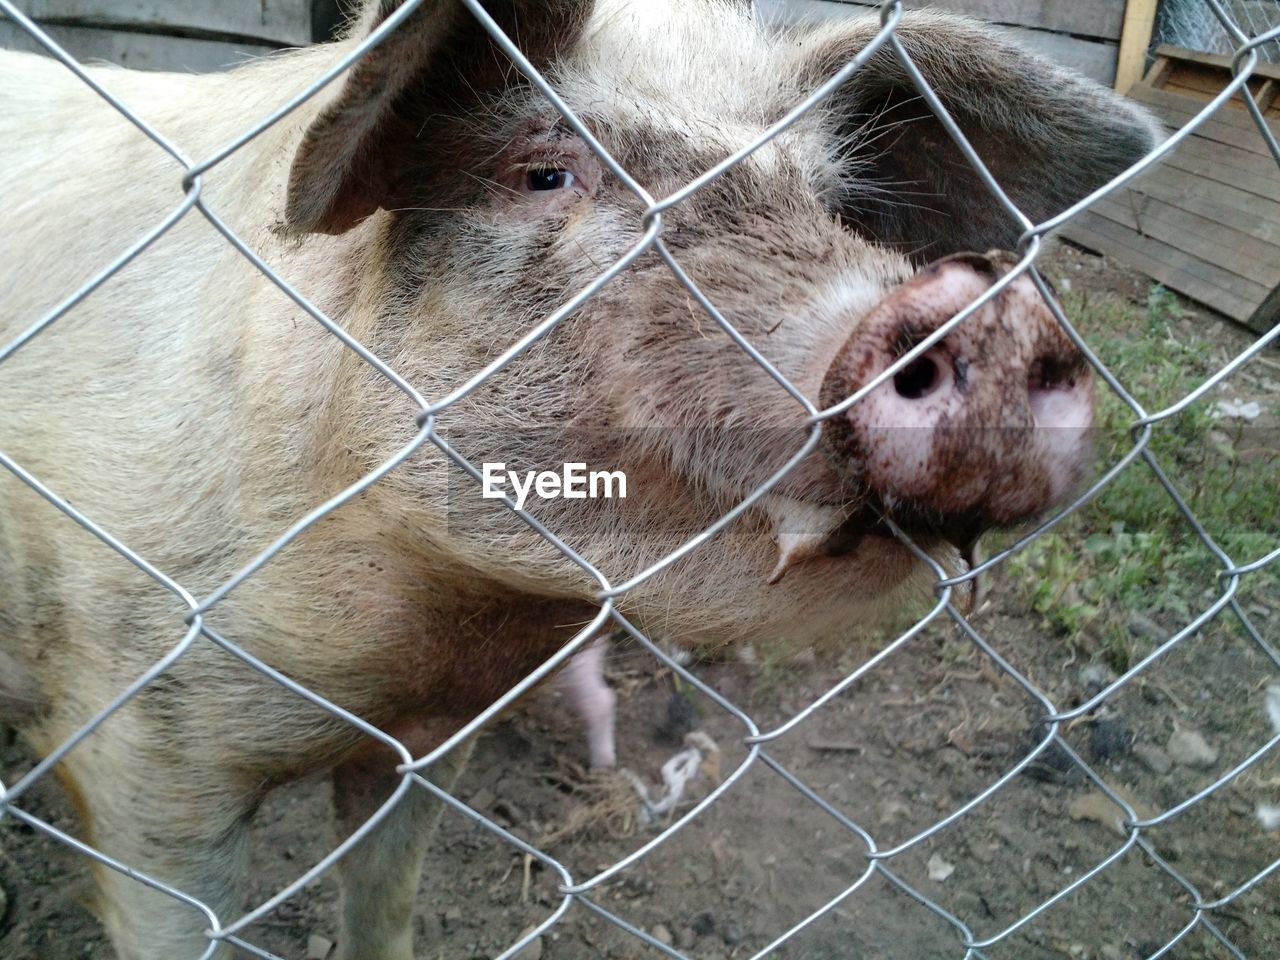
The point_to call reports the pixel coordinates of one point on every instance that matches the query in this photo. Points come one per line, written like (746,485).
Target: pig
(435,205)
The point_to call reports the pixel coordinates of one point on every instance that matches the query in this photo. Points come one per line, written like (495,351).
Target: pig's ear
(1048,136)
(359,147)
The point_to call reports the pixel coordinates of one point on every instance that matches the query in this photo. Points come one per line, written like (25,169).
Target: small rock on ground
(532,950)
(1144,627)
(939,869)
(1110,738)
(703,924)
(1099,808)
(732,933)
(679,718)
(1153,758)
(1189,748)
(1094,677)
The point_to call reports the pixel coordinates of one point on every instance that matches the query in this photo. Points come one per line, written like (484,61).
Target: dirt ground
(921,735)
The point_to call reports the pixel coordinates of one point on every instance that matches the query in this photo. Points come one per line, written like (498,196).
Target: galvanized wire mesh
(1201,910)
(1189,23)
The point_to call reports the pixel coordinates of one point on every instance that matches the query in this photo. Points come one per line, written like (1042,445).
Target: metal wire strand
(882,857)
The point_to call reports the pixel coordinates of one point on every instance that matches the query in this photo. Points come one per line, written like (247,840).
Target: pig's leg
(583,686)
(379,877)
(167,817)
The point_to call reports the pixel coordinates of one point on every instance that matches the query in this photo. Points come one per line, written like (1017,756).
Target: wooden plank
(1164,262)
(1206,222)
(1264,68)
(1268,313)
(1173,268)
(808,12)
(141,51)
(1267,94)
(1095,59)
(1205,81)
(1234,250)
(1135,38)
(1234,128)
(1240,253)
(1099,19)
(1174,85)
(1204,87)
(1237,168)
(286,22)
(1159,72)
(1183,105)
(1219,202)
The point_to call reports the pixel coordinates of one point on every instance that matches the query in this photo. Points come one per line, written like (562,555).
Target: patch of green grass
(1130,550)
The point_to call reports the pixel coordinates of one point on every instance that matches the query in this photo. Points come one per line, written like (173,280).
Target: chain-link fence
(1188,23)
(417,772)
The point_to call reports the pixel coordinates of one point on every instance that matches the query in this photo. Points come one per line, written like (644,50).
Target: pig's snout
(989,426)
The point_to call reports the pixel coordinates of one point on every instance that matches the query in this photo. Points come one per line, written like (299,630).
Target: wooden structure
(1206,221)
(1081,34)
(186,35)
(1135,40)
(209,34)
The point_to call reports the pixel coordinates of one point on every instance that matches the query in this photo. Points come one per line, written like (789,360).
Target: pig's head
(477,211)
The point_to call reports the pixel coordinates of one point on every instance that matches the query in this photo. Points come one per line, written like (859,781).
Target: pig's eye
(548,178)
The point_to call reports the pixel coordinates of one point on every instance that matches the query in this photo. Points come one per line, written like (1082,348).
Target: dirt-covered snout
(988,426)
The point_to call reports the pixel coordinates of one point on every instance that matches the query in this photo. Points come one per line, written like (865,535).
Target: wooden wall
(1206,221)
(194,35)
(1081,34)
(210,34)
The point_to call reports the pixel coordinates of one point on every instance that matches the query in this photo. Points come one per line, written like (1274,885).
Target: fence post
(1135,38)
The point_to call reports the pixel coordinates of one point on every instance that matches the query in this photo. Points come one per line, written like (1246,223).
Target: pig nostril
(1049,373)
(918,379)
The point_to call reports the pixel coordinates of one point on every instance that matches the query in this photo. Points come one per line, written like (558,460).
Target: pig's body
(194,412)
